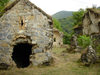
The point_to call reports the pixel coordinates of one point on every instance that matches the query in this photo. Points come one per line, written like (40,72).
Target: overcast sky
(53,6)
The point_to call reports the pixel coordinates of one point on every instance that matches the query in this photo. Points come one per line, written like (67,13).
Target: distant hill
(99,7)
(62,14)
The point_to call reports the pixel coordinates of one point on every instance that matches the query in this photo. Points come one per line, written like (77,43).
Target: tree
(77,16)
(2,6)
(67,38)
(57,24)
(67,24)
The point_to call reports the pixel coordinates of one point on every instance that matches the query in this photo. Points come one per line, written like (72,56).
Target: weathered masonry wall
(91,26)
(24,23)
(91,22)
(57,38)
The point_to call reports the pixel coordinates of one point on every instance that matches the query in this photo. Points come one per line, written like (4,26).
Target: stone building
(26,35)
(91,24)
(57,37)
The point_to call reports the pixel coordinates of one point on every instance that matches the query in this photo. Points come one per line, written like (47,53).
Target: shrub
(98,48)
(67,38)
(84,41)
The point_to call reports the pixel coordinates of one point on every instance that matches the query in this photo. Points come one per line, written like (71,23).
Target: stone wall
(58,38)
(91,25)
(91,22)
(21,22)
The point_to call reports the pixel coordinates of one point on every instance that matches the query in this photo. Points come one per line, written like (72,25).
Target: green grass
(65,64)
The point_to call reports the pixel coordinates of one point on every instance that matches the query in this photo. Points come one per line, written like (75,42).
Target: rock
(3,66)
(40,59)
(88,57)
(38,50)
(74,44)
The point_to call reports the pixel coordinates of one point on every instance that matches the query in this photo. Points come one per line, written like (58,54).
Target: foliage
(67,38)
(67,24)
(2,6)
(98,49)
(57,24)
(84,41)
(77,16)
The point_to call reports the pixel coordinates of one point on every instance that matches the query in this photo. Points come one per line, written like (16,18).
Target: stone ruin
(78,30)
(74,47)
(91,25)
(26,35)
(88,56)
(57,38)
(91,22)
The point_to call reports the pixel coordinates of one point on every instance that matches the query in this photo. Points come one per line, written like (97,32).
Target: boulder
(88,56)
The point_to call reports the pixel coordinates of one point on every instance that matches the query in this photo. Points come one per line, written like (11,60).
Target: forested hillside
(62,14)
(67,24)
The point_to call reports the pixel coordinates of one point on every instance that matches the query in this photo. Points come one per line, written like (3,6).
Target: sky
(53,6)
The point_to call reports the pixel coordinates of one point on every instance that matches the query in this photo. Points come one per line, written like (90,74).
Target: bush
(98,48)
(57,24)
(84,41)
(67,38)
(78,16)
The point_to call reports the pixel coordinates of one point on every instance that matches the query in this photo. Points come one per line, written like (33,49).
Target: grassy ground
(65,64)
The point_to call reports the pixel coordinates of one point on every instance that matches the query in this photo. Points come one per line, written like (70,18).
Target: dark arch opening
(21,54)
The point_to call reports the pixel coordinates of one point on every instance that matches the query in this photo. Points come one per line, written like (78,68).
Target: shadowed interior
(21,54)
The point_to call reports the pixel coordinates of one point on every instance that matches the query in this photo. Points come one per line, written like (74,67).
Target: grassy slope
(65,64)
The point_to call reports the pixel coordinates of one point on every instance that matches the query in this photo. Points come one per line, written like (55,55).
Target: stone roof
(27,2)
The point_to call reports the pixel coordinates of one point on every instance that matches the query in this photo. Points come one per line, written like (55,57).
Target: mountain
(62,14)
(99,7)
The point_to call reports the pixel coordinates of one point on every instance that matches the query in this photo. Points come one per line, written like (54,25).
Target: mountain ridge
(62,14)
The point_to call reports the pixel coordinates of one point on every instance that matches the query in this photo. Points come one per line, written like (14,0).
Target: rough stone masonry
(26,35)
